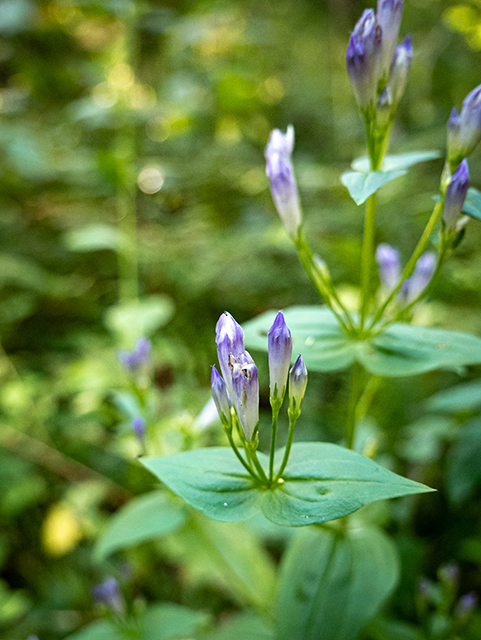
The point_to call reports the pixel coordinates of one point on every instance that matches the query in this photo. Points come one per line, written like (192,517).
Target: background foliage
(164,109)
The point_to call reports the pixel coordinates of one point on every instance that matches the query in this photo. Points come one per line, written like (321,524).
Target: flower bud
(389,15)
(280,172)
(280,351)
(388,261)
(464,130)
(466,605)
(245,385)
(364,59)
(423,272)
(455,196)
(297,387)
(229,338)
(109,594)
(136,358)
(138,427)
(219,393)
(401,65)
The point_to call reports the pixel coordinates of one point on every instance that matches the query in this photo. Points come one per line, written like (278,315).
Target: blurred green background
(121,119)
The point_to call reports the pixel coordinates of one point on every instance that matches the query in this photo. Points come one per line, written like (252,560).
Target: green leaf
(143,518)
(362,185)
(460,398)
(463,472)
(98,630)
(165,621)
(94,237)
(131,320)
(384,629)
(332,583)
(246,626)
(322,482)
(401,350)
(472,204)
(396,161)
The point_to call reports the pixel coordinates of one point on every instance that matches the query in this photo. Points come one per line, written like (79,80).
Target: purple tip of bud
(388,261)
(449,573)
(297,384)
(245,385)
(401,64)
(423,272)
(219,394)
(229,338)
(363,59)
(389,15)
(466,605)
(138,427)
(137,357)
(32,638)
(280,351)
(464,130)
(109,594)
(456,195)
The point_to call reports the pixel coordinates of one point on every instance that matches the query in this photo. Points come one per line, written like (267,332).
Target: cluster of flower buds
(377,66)
(389,264)
(280,172)
(239,381)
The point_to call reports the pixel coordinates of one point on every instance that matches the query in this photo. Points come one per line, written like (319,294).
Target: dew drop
(225,504)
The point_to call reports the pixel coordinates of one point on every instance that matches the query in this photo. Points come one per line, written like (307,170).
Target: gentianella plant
(315,482)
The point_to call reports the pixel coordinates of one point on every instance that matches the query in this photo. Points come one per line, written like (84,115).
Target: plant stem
(275,418)
(366,257)
(409,268)
(239,455)
(287,451)
(353,404)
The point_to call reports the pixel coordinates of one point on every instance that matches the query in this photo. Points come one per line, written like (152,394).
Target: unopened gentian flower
(137,357)
(32,638)
(138,427)
(109,594)
(464,130)
(219,394)
(389,15)
(280,351)
(245,386)
(297,387)
(364,59)
(388,261)
(229,338)
(455,196)
(423,272)
(401,64)
(466,605)
(449,573)
(280,172)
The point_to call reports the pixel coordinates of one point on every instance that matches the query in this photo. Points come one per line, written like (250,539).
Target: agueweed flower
(464,130)
(364,59)
(455,196)
(297,386)
(401,64)
(229,338)
(245,385)
(138,427)
(423,272)
(388,261)
(109,594)
(138,357)
(280,172)
(280,351)
(389,15)
(219,393)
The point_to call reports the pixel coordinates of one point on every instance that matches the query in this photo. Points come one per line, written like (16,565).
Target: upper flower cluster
(239,380)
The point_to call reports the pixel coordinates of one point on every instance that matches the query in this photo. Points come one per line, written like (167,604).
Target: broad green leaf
(472,204)
(322,481)
(143,518)
(401,350)
(333,583)
(462,397)
(362,185)
(98,630)
(396,161)
(165,621)
(131,320)
(463,472)
(384,629)
(245,626)
(94,237)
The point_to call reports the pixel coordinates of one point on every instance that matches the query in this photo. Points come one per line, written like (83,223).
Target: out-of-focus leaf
(393,162)
(246,626)
(463,472)
(462,397)
(135,319)
(361,185)
(94,237)
(99,630)
(15,16)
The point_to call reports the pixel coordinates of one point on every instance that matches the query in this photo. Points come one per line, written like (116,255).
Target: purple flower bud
(219,393)
(245,385)
(32,638)
(449,573)
(280,172)
(138,427)
(109,594)
(466,605)
(464,130)
(423,272)
(297,386)
(389,15)
(401,65)
(425,587)
(280,351)
(456,195)
(137,357)
(364,59)
(388,261)
(229,338)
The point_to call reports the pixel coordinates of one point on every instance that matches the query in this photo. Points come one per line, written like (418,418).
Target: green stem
(366,257)
(239,455)
(275,418)
(409,268)
(287,450)
(258,466)
(353,404)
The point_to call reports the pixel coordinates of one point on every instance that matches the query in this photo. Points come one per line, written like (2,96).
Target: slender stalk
(287,450)
(366,257)
(275,418)
(258,466)
(239,456)
(409,268)
(353,404)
